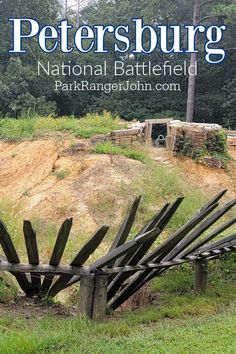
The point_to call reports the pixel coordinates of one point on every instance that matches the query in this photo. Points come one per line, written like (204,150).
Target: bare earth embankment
(52,180)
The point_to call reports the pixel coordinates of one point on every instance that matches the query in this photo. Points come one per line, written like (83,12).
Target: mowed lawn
(177,321)
(207,334)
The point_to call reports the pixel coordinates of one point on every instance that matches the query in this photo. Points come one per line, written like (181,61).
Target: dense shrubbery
(214,146)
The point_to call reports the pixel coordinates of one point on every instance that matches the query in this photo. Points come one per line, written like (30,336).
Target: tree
(193,59)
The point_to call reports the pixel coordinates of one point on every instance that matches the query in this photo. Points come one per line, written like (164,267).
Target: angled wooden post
(93,295)
(200,281)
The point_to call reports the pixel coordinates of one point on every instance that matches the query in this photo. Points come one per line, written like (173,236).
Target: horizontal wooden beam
(42,269)
(86,270)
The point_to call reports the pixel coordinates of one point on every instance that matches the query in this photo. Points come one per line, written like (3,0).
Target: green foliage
(8,292)
(229,104)
(109,148)
(160,184)
(92,124)
(15,97)
(23,92)
(215,145)
(217,142)
(61,174)
(210,320)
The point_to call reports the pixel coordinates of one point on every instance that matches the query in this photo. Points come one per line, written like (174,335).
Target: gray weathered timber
(159,221)
(215,199)
(58,251)
(93,296)
(12,257)
(209,237)
(100,296)
(162,250)
(86,296)
(126,226)
(83,255)
(128,248)
(185,242)
(200,280)
(157,255)
(124,249)
(32,252)
(211,220)
(229,240)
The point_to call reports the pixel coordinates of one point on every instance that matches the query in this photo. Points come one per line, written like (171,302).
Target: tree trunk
(193,59)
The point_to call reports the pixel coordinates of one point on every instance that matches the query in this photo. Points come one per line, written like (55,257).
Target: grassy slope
(16,129)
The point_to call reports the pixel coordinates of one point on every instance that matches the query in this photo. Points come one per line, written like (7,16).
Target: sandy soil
(53,181)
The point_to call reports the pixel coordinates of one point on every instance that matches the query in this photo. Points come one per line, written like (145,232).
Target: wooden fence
(128,265)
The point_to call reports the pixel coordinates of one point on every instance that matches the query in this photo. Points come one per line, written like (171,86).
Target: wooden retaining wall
(125,137)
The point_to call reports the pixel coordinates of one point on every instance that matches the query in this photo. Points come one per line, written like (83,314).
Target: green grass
(29,128)
(205,335)
(177,322)
(159,184)
(110,149)
(61,174)
(8,290)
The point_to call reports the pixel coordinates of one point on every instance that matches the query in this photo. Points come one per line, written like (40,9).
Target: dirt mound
(51,182)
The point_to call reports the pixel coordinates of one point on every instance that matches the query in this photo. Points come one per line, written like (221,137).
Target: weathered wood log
(58,251)
(86,270)
(80,259)
(12,257)
(186,241)
(86,293)
(155,219)
(209,237)
(125,260)
(162,250)
(100,296)
(220,243)
(214,200)
(126,226)
(200,280)
(93,296)
(128,247)
(211,220)
(117,253)
(32,252)
(158,254)
(159,221)
(43,269)
(134,131)
(140,280)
